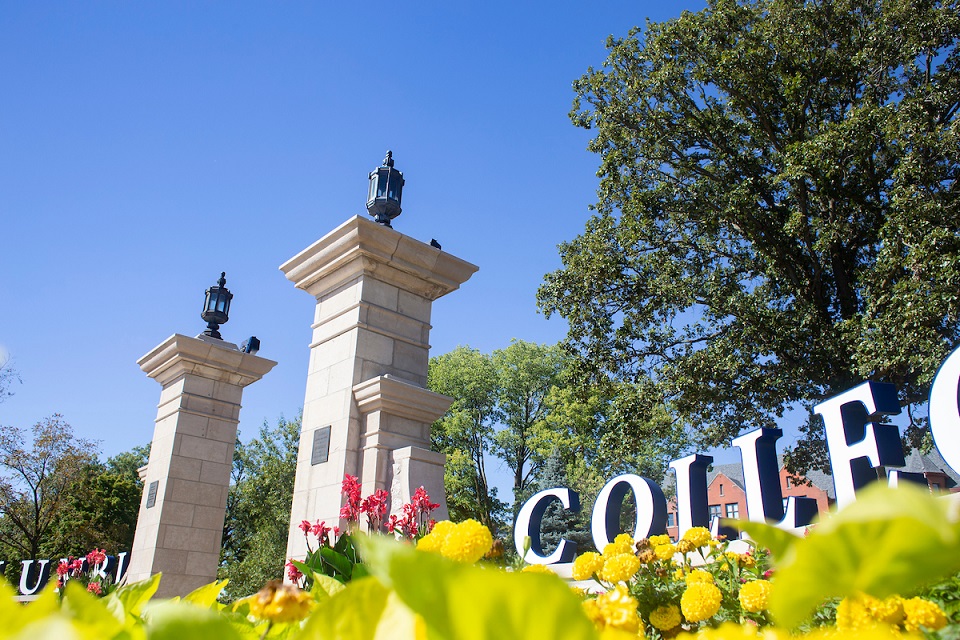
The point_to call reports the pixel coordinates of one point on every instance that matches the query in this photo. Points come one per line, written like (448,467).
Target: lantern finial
(386,187)
(216,307)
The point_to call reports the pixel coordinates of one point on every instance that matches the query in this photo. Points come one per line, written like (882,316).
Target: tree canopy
(777,214)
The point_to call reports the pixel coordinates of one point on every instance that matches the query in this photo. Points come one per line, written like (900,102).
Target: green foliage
(887,542)
(127,463)
(465,432)
(776,216)
(258,508)
(473,603)
(35,482)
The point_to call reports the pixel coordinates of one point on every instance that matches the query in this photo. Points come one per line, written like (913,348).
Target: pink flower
(76,566)
(350,488)
(305,527)
(292,572)
(95,588)
(63,568)
(96,557)
(321,532)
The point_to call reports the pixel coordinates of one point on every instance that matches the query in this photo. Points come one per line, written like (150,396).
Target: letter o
(651,508)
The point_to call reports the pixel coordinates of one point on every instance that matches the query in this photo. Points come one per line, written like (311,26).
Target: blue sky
(146,147)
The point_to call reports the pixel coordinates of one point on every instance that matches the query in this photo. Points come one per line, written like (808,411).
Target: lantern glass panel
(221,302)
(382,179)
(373,189)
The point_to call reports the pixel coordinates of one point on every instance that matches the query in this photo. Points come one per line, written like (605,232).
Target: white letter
(856,445)
(944,410)
(692,508)
(651,509)
(528,525)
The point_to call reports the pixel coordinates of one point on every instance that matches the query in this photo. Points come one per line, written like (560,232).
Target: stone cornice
(207,358)
(363,247)
(400,398)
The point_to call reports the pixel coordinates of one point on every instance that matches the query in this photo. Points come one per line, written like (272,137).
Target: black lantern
(386,185)
(216,307)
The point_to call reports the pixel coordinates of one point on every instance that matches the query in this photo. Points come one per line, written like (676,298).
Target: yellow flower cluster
(855,614)
(623,543)
(619,568)
(699,575)
(665,617)
(587,565)
(656,541)
(537,568)
(700,601)
(280,603)
(467,541)
(698,536)
(665,551)
(615,609)
(754,595)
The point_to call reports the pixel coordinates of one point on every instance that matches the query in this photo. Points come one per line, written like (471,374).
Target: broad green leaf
(88,612)
(340,563)
(325,587)
(206,596)
(888,541)
(134,596)
(16,616)
(365,609)
(778,541)
(184,621)
(476,603)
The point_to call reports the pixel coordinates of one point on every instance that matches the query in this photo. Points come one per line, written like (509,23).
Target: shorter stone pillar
(180,526)
(396,416)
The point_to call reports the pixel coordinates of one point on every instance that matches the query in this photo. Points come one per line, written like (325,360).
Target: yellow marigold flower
(656,541)
(699,536)
(626,540)
(592,609)
(586,565)
(678,574)
(700,601)
(433,541)
(279,602)
(889,610)
(665,617)
(754,595)
(699,575)
(580,593)
(852,615)
(620,568)
(923,613)
(665,551)
(536,568)
(467,542)
(619,609)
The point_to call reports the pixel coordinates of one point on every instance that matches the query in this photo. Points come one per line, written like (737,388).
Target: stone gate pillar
(366,411)
(180,526)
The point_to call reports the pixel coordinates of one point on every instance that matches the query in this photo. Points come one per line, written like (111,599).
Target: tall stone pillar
(366,411)
(180,527)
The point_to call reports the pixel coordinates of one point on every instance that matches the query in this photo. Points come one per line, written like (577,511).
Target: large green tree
(37,472)
(258,508)
(465,432)
(777,217)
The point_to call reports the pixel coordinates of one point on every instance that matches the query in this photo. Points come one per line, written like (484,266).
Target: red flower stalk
(351,488)
(293,573)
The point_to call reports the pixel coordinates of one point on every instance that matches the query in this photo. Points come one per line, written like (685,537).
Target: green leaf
(888,541)
(338,562)
(475,603)
(324,587)
(364,609)
(134,596)
(184,621)
(88,612)
(206,596)
(778,541)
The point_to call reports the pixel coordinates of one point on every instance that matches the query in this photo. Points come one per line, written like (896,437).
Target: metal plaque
(152,493)
(321,446)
